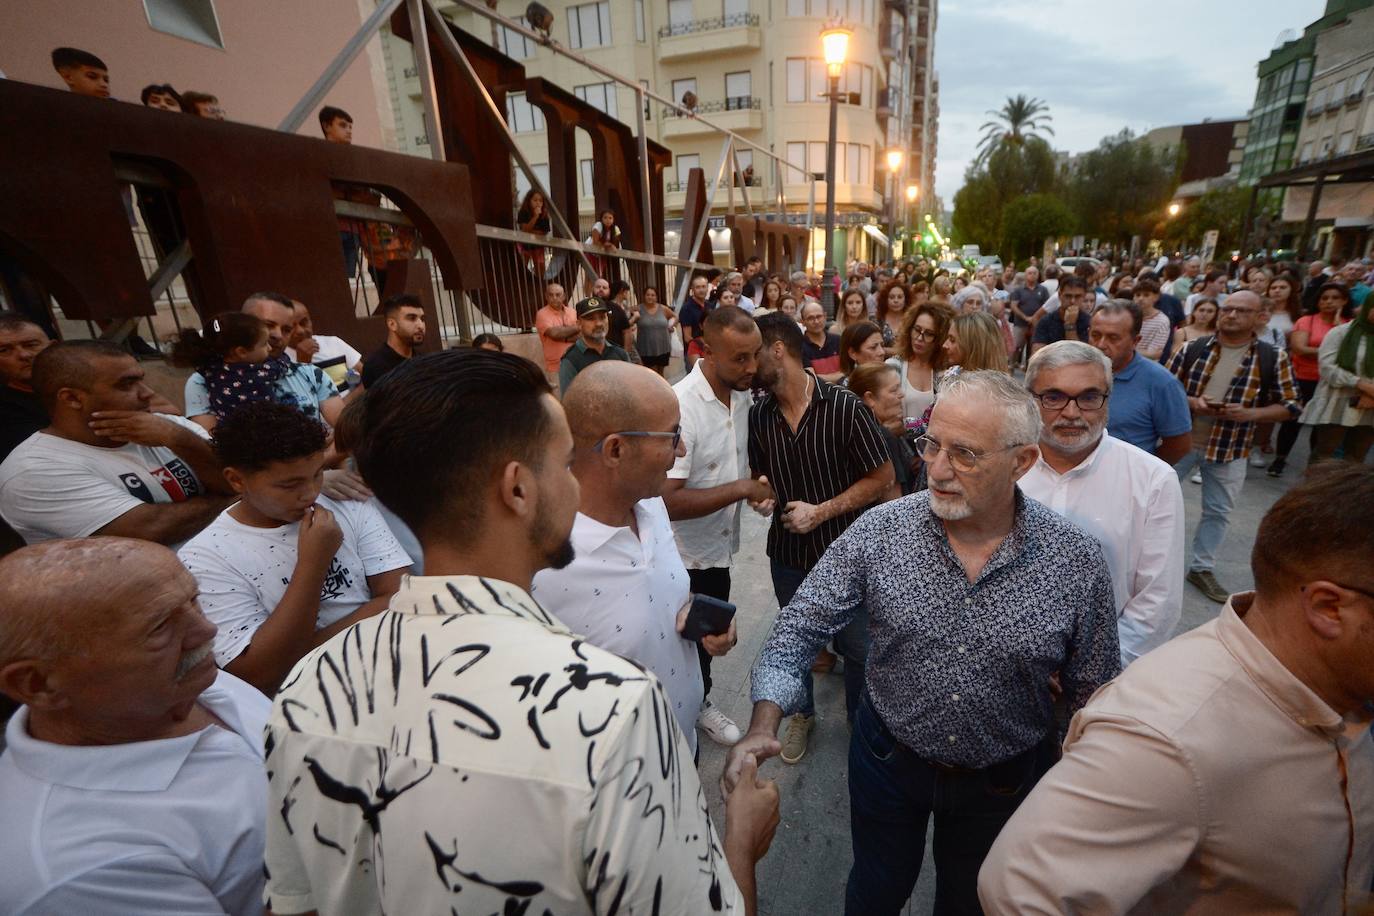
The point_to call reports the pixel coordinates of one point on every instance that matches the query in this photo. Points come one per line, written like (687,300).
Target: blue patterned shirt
(959,671)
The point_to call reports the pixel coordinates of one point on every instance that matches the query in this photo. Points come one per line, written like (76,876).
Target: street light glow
(835,45)
(894,159)
(1173,209)
(913,191)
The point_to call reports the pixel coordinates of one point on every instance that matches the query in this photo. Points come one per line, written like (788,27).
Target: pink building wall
(273,51)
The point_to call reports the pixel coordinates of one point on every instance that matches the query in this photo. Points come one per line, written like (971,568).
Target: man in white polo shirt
(133,781)
(105,464)
(707,484)
(1126,498)
(626,589)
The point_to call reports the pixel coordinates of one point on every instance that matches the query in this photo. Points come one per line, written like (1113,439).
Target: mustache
(192,659)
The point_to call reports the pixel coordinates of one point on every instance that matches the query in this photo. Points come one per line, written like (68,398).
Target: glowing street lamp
(894,159)
(835,48)
(1173,209)
(913,191)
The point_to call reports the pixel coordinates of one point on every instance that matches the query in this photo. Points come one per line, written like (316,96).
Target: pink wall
(273,51)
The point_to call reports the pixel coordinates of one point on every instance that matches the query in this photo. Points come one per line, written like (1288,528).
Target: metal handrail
(730,103)
(708,25)
(547,241)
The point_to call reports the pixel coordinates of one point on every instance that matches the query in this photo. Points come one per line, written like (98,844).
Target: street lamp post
(894,162)
(835,45)
(913,191)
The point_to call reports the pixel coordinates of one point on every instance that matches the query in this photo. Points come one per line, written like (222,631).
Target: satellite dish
(1285,37)
(689,100)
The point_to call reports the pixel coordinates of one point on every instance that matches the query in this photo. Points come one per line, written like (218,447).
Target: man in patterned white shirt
(627,589)
(463,751)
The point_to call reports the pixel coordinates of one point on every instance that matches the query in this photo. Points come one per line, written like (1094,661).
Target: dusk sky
(1099,66)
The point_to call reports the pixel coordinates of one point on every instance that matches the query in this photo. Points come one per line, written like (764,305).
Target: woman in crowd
(1286,294)
(974,342)
(920,295)
(921,356)
(486,342)
(1257,280)
(653,330)
(861,344)
(893,301)
(605,235)
(1201,323)
(533,217)
(853,310)
(960,284)
(1304,346)
(772,293)
(1341,411)
(941,287)
(788,306)
(880,388)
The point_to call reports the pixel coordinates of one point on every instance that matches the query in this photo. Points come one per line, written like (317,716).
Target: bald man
(298,385)
(1233,382)
(133,779)
(627,589)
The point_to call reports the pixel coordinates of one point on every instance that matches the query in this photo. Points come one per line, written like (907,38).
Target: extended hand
(753,748)
(319,537)
(137,426)
(719,645)
(1237,413)
(343,484)
(801,518)
(751,812)
(306,349)
(757,490)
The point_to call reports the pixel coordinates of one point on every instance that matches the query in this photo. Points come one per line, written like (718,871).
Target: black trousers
(714,583)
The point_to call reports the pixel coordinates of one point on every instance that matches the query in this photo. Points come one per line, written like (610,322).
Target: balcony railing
(730,103)
(732,21)
(753,181)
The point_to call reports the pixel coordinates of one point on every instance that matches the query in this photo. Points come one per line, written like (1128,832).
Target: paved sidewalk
(805,871)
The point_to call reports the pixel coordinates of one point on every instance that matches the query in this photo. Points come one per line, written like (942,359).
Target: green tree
(1016,122)
(1222,209)
(1027,221)
(1121,188)
(1011,171)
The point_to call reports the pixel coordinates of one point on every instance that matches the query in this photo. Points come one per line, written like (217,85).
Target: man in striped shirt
(823,452)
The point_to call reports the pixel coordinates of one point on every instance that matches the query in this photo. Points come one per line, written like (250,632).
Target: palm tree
(1019,120)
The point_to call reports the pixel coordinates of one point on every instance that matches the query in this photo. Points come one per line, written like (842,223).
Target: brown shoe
(824,663)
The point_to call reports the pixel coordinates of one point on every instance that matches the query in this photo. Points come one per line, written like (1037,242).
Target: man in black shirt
(21,415)
(824,454)
(1071,320)
(405,330)
(593,320)
(820,348)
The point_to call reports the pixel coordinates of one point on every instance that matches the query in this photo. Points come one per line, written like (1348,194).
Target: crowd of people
(354,633)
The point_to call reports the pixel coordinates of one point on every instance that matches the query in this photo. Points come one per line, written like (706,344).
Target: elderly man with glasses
(977,597)
(1233,381)
(1125,497)
(627,589)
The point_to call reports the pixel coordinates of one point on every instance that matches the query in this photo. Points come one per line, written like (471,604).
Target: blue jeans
(851,643)
(892,795)
(1221,485)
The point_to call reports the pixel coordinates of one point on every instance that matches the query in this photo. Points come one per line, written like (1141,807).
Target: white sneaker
(1257,459)
(717,725)
(1197,477)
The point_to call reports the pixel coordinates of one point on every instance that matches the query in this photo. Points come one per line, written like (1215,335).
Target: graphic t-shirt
(52,487)
(243,571)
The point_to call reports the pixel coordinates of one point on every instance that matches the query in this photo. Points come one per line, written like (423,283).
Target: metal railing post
(425,70)
(645,171)
(315,94)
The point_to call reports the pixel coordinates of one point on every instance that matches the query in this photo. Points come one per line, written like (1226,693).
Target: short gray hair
(798,276)
(1020,412)
(968,292)
(1067,353)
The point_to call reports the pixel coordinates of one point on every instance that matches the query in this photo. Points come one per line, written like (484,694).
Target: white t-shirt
(243,571)
(52,487)
(174,825)
(335,357)
(716,439)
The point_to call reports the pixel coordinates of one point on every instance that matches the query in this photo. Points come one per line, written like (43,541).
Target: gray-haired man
(956,718)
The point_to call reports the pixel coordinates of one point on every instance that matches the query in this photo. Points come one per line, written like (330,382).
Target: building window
(600,96)
(523,117)
(796,79)
(735,8)
(679,12)
(586,181)
(817,157)
(589,25)
(522,183)
(194,20)
(1346,143)
(1318,100)
(514,44)
(796,7)
(639,20)
(1324,148)
(682,87)
(1358,83)
(1306,154)
(796,161)
(684,165)
(745,160)
(739,90)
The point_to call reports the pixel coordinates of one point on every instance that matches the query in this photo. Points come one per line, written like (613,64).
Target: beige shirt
(1206,779)
(1223,374)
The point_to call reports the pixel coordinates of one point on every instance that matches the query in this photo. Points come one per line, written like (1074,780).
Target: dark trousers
(851,643)
(714,583)
(1289,429)
(892,795)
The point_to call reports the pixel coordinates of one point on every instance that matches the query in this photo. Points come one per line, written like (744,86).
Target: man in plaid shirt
(1224,379)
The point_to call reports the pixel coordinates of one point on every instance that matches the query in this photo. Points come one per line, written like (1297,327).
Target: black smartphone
(707,617)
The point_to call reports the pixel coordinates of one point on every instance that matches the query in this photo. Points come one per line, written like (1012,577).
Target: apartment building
(754,67)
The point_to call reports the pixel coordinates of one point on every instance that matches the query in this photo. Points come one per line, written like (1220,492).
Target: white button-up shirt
(717,443)
(623,593)
(1130,501)
(168,826)
(1205,780)
(463,751)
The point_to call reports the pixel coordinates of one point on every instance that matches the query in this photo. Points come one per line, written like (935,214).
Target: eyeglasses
(923,334)
(963,459)
(1234,310)
(1058,400)
(675,435)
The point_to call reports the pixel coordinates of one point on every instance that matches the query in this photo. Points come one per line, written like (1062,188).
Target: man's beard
(191,659)
(950,510)
(1073,440)
(560,555)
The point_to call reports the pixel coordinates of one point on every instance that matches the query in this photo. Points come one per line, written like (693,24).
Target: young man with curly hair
(285,567)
